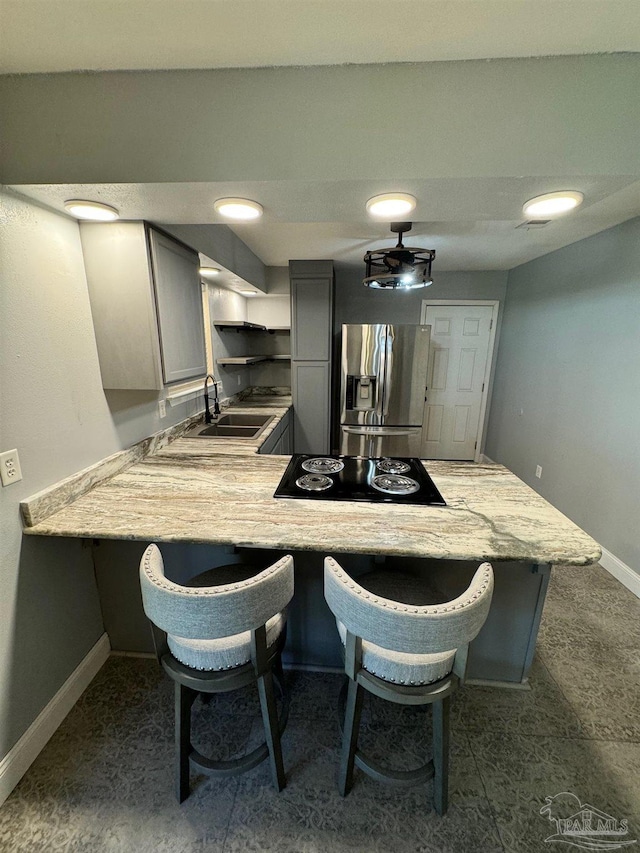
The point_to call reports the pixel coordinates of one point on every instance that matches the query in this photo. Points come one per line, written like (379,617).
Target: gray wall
(220,244)
(355,303)
(54,411)
(226,304)
(482,118)
(567,388)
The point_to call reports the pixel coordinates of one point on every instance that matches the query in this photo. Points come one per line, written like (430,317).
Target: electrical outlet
(10,467)
(538,471)
(162,408)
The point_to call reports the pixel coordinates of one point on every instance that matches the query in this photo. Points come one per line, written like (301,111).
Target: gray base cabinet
(311,396)
(146,302)
(312,639)
(279,442)
(284,447)
(312,287)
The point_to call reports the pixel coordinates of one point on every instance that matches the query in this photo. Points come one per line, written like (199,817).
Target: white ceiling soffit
(103,35)
(470,222)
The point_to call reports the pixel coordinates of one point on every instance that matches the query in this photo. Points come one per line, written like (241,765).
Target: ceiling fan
(400,268)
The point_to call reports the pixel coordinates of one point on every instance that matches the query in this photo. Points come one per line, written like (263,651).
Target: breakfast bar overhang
(216,499)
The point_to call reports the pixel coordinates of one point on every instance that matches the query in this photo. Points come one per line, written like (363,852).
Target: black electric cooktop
(358,478)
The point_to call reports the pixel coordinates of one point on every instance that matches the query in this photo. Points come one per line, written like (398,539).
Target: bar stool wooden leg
(278,671)
(183,701)
(441,754)
(350,736)
(271,728)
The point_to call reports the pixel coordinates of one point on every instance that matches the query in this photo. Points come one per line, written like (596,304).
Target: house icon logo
(584,826)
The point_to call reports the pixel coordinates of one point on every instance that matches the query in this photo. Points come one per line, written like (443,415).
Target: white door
(460,337)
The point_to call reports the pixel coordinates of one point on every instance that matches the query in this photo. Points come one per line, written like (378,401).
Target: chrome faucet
(208,417)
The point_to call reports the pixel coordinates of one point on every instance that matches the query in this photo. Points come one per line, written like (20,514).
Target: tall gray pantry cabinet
(312,287)
(146,302)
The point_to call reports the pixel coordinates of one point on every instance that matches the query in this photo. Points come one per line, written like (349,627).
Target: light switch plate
(10,471)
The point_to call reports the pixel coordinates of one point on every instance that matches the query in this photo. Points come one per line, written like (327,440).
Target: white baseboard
(21,756)
(621,571)
(486,460)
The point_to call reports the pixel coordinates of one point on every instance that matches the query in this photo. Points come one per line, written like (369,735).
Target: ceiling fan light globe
(395,281)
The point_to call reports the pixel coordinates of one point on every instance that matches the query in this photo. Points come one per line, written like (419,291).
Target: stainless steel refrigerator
(383,389)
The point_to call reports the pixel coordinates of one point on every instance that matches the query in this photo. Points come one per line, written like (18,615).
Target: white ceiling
(471,222)
(72,35)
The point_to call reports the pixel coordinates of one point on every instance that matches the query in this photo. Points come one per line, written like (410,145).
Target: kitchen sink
(232,426)
(220,430)
(243,419)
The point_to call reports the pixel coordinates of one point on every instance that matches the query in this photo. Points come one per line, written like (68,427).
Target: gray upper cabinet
(311,318)
(179,305)
(146,302)
(312,286)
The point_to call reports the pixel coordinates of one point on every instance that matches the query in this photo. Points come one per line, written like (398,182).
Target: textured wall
(219,243)
(54,411)
(483,118)
(355,303)
(228,305)
(567,386)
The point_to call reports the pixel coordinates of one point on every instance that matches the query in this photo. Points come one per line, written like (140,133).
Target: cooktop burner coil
(314,482)
(393,466)
(323,465)
(394,484)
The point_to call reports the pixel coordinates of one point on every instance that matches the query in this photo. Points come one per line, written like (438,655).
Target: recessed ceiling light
(552,204)
(91,210)
(390,205)
(209,272)
(238,208)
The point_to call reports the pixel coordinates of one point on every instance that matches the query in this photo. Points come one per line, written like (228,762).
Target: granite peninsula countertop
(214,491)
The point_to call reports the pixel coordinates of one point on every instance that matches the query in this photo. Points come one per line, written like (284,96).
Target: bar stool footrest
(228,768)
(213,767)
(399,778)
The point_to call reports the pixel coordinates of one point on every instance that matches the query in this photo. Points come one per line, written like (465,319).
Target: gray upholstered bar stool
(213,639)
(408,654)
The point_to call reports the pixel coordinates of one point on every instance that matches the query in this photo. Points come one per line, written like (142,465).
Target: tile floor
(104,781)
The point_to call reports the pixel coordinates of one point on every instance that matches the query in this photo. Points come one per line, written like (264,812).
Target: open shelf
(242,359)
(252,359)
(239,325)
(246,326)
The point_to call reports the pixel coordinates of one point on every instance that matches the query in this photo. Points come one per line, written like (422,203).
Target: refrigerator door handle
(382,344)
(386,357)
(375,430)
